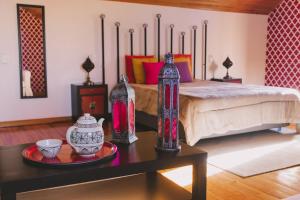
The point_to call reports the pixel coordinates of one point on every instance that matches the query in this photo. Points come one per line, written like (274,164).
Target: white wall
(73,33)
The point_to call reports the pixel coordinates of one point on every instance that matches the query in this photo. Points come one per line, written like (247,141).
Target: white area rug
(296,197)
(253,153)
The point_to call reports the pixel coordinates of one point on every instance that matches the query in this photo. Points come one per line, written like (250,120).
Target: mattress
(210,108)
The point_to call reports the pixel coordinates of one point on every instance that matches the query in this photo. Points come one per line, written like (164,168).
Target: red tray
(67,156)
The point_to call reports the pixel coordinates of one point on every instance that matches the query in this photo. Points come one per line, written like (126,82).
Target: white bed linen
(209,109)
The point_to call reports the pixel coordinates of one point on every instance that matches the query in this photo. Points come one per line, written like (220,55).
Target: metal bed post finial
(205,22)
(158,16)
(145,26)
(171,37)
(131,31)
(117,24)
(102,16)
(194,56)
(182,37)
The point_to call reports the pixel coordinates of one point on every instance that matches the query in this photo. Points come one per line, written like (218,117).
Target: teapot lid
(86,119)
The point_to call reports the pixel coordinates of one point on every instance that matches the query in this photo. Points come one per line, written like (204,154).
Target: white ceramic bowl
(49,148)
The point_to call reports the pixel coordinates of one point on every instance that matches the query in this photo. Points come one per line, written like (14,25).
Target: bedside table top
(81,84)
(232,80)
(221,79)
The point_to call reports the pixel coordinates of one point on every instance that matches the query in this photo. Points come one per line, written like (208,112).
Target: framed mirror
(32,50)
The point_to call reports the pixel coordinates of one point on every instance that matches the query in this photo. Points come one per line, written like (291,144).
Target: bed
(211,109)
(207,109)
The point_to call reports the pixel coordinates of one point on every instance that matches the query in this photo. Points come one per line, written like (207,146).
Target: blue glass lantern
(168,106)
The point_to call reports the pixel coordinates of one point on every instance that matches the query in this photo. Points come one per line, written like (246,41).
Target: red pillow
(129,67)
(152,71)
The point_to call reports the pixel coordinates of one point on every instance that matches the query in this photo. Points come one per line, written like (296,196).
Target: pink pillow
(152,71)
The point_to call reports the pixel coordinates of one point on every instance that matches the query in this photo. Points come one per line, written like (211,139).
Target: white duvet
(209,109)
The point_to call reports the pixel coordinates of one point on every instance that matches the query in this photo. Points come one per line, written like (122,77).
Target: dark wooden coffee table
(139,158)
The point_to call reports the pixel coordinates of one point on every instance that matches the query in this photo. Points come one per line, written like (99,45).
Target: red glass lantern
(123,112)
(168,106)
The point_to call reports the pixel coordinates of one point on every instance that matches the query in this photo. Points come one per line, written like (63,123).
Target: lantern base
(167,149)
(128,140)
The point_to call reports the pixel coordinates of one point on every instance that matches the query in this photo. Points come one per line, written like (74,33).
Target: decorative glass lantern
(168,106)
(122,99)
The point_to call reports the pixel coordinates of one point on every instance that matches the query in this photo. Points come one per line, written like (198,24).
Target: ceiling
(242,6)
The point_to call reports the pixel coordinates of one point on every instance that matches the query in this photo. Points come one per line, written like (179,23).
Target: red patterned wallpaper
(32,49)
(283,46)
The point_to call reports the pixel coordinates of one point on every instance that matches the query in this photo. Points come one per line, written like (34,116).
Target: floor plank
(221,185)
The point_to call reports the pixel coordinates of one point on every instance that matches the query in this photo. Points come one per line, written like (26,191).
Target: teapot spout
(100,122)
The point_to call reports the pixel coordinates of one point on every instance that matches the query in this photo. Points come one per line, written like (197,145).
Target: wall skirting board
(35,121)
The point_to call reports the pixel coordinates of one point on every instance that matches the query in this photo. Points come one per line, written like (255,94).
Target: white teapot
(86,136)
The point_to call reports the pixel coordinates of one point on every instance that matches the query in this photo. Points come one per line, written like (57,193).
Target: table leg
(151,183)
(199,180)
(8,196)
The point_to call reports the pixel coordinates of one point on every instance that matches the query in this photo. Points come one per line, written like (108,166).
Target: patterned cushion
(138,69)
(184,72)
(184,58)
(129,67)
(152,71)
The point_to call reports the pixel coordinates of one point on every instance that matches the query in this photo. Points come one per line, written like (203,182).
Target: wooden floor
(221,184)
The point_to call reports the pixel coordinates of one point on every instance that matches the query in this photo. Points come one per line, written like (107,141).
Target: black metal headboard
(145,27)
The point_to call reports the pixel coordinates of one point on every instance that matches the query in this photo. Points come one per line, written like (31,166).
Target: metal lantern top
(169,71)
(122,89)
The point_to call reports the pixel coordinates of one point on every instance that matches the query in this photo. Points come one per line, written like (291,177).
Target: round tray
(67,156)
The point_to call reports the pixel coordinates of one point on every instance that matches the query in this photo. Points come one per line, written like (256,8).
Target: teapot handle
(100,122)
(68,136)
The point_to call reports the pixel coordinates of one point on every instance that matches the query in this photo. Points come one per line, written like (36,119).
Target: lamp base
(88,81)
(227,76)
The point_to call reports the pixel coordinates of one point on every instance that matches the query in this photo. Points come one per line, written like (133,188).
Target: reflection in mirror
(31,25)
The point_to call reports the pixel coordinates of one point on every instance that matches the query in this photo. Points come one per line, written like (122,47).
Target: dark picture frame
(44,94)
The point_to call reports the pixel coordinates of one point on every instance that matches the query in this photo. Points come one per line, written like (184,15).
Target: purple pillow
(183,69)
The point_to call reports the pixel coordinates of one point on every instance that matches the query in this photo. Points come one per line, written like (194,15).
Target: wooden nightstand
(233,80)
(89,99)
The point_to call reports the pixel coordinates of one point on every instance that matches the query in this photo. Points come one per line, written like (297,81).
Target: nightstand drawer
(95,105)
(89,99)
(91,91)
